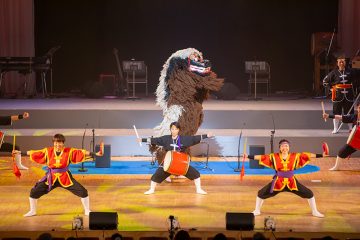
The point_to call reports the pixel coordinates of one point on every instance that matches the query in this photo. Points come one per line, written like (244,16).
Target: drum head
(167,160)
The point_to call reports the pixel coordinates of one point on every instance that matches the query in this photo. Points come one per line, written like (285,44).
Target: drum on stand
(354,138)
(176,163)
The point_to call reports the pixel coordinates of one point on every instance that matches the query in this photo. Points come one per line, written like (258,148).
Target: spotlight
(269,224)
(78,223)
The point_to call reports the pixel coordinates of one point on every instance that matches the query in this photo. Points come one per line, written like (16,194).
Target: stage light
(78,223)
(269,224)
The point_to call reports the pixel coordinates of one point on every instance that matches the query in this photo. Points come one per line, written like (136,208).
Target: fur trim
(170,115)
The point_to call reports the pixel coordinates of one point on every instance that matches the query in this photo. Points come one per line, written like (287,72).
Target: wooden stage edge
(164,235)
(337,194)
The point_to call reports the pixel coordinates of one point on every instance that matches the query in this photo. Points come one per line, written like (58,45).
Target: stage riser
(108,119)
(220,146)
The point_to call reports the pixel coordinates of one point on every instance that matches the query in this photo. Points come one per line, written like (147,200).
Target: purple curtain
(349,26)
(17,40)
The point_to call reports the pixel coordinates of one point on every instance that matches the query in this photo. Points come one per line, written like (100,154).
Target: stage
(298,119)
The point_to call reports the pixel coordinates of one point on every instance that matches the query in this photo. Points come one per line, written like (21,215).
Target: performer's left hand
(325,116)
(210,134)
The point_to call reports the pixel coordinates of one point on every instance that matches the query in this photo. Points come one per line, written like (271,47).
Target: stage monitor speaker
(105,160)
(229,91)
(240,221)
(103,221)
(256,150)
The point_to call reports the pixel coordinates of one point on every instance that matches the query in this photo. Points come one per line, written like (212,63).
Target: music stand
(253,67)
(132,67)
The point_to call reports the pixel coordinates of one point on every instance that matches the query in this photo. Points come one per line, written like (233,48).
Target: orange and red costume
(58,163)
(285,168)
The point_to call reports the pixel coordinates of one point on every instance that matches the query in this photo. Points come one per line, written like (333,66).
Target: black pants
(41,189)
(160,175)
(8,147)
(345,105)
(346,151)
(303,191)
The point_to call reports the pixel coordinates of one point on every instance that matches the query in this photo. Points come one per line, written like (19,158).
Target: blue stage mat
(144,167)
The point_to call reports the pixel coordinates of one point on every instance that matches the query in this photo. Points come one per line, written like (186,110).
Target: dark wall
(228,33)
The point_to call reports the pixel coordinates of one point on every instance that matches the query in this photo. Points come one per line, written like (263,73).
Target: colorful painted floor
(337,194)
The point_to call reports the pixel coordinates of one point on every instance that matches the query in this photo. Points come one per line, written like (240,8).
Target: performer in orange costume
(284,180)
(57,159)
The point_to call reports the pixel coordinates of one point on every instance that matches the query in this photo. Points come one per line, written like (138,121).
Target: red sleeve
(303,159)
(39,156)
(267,161)
(77,155)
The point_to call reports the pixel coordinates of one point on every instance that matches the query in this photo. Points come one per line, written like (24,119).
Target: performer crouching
(284,164)
(58,159)
(353,142)
(175,145)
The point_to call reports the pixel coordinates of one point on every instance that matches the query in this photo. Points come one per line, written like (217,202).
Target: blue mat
(144,167)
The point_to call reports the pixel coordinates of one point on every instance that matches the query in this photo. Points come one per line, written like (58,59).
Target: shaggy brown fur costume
(184,90)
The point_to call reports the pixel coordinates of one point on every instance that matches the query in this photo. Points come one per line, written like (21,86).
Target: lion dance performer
(284,164)
(57,159)
(185,82)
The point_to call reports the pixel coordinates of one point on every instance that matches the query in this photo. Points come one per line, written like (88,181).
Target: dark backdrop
(228,33)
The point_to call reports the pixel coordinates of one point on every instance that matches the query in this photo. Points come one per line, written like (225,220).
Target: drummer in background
(353,143)
(177,143)
(342,83)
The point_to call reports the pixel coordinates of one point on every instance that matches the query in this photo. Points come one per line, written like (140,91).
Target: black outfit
(302,191)
(41,188)
(182,143)
(347,150)
(344,97)
(6,147)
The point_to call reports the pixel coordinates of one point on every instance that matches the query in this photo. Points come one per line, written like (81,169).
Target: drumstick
(14,142)
(137,135)
(323,109)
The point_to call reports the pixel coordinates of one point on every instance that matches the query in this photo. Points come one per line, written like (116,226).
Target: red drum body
(176,163)
(354,138)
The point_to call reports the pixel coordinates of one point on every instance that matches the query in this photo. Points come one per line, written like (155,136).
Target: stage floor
(337,194)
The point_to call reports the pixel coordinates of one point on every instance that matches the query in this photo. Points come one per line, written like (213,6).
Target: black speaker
(256,150)
(103,220)
(229,91)
(104,160)
(240,221)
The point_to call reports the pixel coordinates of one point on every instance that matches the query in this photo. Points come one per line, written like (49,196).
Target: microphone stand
(93,142)
(82,169)
(272,133)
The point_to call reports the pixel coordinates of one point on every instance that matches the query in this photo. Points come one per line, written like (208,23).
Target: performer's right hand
(26,115)
(245,156)
(138,139)
(14,152)
(325,116)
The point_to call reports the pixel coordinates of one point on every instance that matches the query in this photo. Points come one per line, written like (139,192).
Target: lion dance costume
(185,82)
